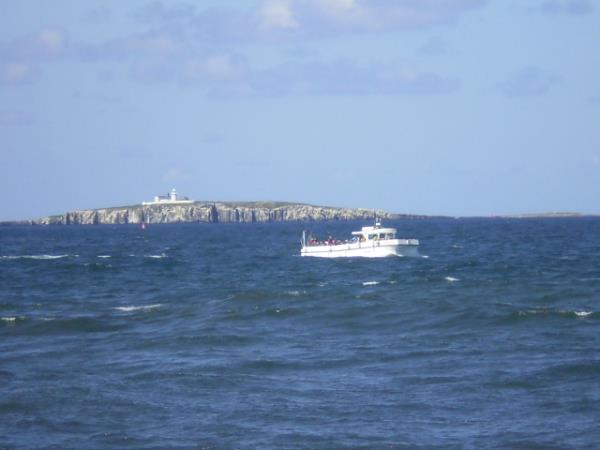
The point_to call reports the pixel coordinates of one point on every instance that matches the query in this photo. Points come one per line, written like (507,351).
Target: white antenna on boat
(375,218)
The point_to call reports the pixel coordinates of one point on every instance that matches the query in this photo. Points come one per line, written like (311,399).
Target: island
(175,208)
(213,212)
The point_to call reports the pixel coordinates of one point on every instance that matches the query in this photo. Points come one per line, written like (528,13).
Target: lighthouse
(169,199)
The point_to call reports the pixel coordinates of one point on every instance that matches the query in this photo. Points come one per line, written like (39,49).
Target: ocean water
(222,336)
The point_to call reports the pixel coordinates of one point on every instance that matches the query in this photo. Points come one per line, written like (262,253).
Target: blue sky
(457,107)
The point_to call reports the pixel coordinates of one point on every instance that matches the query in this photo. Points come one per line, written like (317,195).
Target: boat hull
(375,249)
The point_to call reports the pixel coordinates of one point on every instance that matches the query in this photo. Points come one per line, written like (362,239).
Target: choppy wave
(46,326)
(104,256)
(549,312)
(296,293)
(35,256)
(231,314)
(132,308)
(97,266)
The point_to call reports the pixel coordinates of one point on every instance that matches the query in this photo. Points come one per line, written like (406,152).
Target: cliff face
(210,212)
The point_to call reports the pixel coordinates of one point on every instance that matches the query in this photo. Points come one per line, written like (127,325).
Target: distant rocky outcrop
(215,212)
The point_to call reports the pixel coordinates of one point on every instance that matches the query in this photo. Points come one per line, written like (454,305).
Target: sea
(221,336)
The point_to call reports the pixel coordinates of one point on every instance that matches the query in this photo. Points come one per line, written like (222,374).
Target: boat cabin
(375,233)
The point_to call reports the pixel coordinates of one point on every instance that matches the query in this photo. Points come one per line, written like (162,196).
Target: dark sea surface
(222,336)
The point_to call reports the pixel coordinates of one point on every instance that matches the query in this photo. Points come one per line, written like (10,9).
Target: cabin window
(372,236)
(382,236)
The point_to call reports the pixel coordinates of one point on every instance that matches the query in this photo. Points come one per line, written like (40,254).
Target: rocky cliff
(216,212)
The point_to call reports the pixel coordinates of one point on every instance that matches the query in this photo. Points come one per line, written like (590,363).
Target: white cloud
(16,72)
(315,18)
(52,39)
(277,14)
(174,54)
(230,76)
(342,13)
(571,7)
(528,82)
(157,11)
(216,67)
(340,77)
(329,16)
(150,44)
(20,58)
(46,44)
(311,18)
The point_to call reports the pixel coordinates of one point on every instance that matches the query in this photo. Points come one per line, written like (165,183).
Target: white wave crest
(583,313)
(9,319)
(162,255)
(296,293)
(425,256)
(103,256)
(34,256)
(370,283)
(451,279)
(138,308)
(532,312)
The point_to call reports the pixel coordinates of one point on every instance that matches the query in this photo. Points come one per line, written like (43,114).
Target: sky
(451,107)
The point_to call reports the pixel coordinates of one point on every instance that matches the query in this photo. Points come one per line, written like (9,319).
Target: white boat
(370,242)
